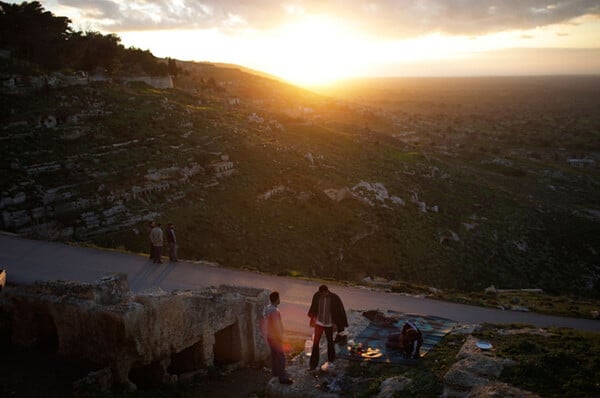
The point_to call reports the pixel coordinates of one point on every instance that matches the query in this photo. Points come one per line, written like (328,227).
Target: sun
(315,50)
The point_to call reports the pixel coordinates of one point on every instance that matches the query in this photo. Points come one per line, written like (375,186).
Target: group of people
(327,315)
(155,235)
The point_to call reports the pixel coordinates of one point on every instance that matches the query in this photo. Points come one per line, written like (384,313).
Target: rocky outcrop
(475,374)
(156,334)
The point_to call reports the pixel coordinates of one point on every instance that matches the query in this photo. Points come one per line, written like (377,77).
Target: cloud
(392,18)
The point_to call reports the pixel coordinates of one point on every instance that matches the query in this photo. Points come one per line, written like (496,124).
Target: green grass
(564,363)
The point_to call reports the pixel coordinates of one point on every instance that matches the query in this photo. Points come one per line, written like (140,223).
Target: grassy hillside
(451,183)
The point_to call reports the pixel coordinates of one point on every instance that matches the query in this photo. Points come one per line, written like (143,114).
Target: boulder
(475,370)
(94,383)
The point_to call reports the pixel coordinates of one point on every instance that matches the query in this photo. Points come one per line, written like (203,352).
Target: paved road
(27,261)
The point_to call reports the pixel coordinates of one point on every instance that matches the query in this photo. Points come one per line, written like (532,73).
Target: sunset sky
(317,41)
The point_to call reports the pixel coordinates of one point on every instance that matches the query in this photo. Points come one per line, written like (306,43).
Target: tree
(172,67)
(100,50)
(42,38)
(32,33)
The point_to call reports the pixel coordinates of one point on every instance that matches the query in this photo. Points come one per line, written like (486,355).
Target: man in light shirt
(156,237)
(272,328)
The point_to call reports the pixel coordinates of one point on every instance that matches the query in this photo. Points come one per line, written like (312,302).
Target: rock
(339,195)
(392,386)
(460,378)
(111,289)
(481,365)
(475,370)
(310,158)
(94,383)
(469,349)
(490,290)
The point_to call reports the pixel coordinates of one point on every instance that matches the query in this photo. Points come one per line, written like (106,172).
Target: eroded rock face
(161,334)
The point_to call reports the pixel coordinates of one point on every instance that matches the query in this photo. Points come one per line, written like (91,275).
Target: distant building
(223,168)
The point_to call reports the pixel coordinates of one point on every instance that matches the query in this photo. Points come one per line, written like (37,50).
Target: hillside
(450,183)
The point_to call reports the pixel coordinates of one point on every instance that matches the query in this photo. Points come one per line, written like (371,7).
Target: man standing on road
(150,226)
(172,241)
(326,314)
(272,328)
(156,237)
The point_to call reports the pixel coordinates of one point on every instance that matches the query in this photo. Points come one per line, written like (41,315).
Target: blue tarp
(374,337)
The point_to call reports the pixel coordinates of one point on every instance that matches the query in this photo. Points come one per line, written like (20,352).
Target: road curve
(27,261)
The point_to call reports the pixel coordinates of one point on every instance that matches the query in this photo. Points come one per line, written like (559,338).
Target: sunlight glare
(316,50)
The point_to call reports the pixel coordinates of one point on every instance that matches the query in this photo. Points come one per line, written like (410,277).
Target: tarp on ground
(374,337)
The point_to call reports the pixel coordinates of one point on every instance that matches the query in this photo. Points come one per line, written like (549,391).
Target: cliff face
(163,335)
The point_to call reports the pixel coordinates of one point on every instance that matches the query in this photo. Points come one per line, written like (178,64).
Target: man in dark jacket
(326,314)
(172,241)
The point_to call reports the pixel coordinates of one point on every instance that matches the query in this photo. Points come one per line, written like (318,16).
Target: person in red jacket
(326,313)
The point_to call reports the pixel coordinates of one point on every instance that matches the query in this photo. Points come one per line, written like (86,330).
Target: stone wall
(156,334)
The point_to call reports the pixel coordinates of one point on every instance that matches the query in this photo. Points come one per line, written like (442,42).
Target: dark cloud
(390,18)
